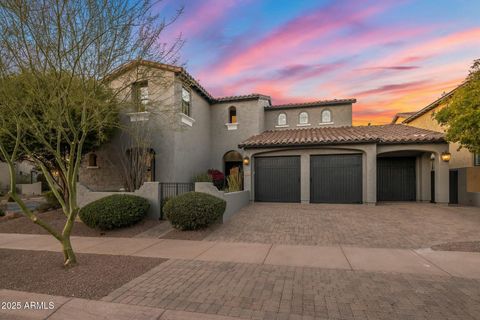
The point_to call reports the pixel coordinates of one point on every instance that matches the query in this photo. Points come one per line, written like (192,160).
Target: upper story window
(232,115)
(303,118)
(186,101)
(326,116)
(476,159)
(140,94)
(282,119)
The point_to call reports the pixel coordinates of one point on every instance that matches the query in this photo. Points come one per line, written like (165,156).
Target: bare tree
(56,62)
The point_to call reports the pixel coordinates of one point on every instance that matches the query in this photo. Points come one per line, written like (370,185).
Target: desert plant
(194,210)
(115,211)
(203,177)
(234,182)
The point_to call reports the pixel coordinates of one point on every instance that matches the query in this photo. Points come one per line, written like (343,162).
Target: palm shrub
(115,211)
(194,210)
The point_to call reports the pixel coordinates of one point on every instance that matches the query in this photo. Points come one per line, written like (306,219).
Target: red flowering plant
(218,178)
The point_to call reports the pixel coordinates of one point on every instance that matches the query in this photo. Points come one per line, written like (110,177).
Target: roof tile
(381,134)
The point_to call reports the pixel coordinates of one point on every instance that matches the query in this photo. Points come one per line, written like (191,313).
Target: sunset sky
(392,56)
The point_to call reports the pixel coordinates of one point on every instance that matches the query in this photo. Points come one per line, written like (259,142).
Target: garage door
(336,178)
(396,179)
(277,179)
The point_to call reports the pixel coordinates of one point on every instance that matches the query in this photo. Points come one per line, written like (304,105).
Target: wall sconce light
(432,156)
(446,156)
(246,160)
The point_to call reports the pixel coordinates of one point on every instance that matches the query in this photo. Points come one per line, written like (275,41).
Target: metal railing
(173,189)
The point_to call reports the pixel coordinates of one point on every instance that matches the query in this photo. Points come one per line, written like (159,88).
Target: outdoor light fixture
(432,156)
(246,160)
(446,156)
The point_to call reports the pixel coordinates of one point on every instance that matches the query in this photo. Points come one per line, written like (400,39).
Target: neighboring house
(464,165)
(303,152)
(25,174)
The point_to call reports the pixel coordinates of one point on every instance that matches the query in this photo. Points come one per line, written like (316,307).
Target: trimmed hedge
(115,211)
(194,210)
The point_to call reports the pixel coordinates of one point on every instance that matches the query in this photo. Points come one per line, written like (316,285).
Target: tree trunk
(69,256)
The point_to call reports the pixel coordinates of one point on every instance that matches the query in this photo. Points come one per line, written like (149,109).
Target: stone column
(370,175)
(305,178)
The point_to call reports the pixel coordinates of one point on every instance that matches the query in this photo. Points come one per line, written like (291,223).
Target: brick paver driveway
(253,291)
(412,225)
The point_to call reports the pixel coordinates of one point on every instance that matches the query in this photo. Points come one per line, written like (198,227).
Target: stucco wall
(250,122)
(192,145)
(467,196)
(4,176)
(341,116)
(235,200)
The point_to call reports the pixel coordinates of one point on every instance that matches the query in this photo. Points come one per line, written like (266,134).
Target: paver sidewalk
(424,261)
(35,306)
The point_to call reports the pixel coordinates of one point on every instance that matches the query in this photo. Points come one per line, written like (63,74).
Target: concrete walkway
(35,306)
(423,261)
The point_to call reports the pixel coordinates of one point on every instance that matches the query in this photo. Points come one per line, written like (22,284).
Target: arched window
(282,119)
(326,116)
(303,118)
(92,160)
(232,115)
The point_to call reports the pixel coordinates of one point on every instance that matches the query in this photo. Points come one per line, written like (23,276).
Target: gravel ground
(93,278)
(57,220)
(465,246)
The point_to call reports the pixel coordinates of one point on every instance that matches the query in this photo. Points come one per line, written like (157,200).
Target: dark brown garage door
(277,179)
(396,179)
(336,178)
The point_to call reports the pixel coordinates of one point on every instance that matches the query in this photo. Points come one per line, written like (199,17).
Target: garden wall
(149,191)
(30,189)
(235,200)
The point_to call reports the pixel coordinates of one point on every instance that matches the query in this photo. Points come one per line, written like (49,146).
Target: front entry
(336,178)
(277,179)
(396,179)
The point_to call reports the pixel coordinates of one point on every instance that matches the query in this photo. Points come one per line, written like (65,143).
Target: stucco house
(464,165)
(302,152)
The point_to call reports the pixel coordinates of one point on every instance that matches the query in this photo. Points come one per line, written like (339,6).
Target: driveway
(412,225)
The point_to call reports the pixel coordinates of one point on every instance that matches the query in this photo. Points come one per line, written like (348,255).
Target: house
(25,175)
(301,152)
(464,165)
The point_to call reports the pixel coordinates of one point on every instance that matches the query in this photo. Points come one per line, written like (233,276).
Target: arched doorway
(232,162)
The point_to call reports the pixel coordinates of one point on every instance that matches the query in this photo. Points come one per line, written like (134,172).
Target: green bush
(203,177)
(50,204)
(194,210)
(115,211)
(2,213)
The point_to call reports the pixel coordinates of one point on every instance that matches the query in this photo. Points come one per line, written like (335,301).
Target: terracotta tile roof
(152,64)
(317,103)
(243,97)
(383,134)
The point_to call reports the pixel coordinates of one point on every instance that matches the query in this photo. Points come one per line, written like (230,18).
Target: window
(140,94)
(326,116)
(92,160)
(232,115)
(303,118)
(476,159)
(186,101)
(282,119)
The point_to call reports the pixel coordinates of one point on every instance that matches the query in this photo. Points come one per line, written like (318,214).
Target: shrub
(218,178)
(50,204)
(203,177)
(234,182)
(2,213)
(194,210)
(115,211)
